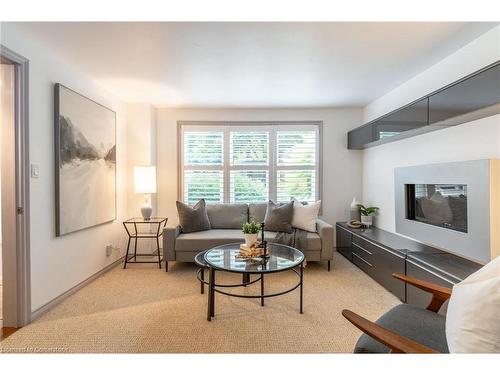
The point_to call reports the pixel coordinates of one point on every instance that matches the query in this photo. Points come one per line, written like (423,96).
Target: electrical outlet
(109,250)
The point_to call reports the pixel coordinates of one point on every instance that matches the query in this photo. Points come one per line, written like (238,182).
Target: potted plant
(367,214)
(251,232)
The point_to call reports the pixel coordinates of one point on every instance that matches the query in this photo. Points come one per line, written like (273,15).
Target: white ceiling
(253,64)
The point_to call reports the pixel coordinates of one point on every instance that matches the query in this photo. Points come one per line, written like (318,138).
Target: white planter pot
(367,220)
(250,238)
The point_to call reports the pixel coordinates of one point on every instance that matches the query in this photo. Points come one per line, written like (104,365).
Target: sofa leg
(166,265)
(329,265)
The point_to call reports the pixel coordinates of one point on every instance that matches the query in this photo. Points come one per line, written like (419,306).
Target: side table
(139,228)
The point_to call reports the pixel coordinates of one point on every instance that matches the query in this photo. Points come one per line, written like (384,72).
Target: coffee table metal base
(216,288)
(200,274)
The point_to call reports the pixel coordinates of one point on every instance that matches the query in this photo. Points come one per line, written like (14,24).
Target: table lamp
(145,183)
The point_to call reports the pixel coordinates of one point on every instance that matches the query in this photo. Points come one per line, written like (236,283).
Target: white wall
(479,139)
(141,151)
(341,167)
(58,264)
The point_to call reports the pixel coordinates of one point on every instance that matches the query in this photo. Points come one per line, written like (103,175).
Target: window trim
(270,125)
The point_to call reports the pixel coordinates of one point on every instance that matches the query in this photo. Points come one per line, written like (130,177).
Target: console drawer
(364,265)
(344,241)
(362,252)
(368,247)
(380,264)
(386,264)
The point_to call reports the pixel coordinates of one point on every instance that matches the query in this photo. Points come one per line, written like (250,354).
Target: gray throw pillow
(279,217)
(193,219)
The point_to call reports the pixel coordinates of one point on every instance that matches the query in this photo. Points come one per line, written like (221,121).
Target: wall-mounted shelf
(470,98)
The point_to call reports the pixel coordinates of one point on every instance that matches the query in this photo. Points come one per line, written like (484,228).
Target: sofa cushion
(416,323)
(227,216)
(198,241)
(257,212)
(193,219)
(279,218)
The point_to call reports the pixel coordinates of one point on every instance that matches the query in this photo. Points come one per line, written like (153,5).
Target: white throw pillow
(473,316)
(305,215)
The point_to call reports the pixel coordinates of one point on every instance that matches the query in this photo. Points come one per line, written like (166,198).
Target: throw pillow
(193,219)
(473,318)
(279,217)
(305,215)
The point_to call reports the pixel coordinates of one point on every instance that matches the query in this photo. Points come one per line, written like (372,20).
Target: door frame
(20,313)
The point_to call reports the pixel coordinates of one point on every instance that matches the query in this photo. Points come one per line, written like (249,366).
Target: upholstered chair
(405,328)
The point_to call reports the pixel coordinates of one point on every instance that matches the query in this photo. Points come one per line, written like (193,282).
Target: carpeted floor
(145,310)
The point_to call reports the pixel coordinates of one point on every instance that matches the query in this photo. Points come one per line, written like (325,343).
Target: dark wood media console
(380,254)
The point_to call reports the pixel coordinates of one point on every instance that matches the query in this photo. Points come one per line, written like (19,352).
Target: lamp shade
(145,180)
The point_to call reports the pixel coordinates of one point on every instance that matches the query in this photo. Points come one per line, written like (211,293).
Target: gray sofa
(226,221)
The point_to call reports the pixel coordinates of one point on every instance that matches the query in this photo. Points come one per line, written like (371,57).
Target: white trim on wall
(55,301)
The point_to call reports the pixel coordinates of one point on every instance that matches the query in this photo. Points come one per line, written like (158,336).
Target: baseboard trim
(42,310)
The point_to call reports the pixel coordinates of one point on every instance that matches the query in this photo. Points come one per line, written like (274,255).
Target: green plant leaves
(367,211)
(251,227)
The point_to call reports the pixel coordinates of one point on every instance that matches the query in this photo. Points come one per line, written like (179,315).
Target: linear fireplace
(454,206)
(441,205)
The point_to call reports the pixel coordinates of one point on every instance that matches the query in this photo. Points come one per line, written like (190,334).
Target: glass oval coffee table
(225,258)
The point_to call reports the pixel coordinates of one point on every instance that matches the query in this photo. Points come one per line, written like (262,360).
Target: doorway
(15,306)
(6,121)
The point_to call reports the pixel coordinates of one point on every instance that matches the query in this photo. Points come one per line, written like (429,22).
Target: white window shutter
(243,164)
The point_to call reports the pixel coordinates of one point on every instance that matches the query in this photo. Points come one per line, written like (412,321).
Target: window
(296,165)
(203,163)
(242,162)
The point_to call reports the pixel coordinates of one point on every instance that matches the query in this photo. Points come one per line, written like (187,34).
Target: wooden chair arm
(440,294)
(394,341)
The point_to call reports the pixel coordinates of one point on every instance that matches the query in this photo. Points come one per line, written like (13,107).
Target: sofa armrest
(325,232)
(169,236)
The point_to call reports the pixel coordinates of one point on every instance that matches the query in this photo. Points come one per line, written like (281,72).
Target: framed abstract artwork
(85,162)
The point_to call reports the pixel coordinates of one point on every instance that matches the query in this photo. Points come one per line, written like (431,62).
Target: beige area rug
(145,310)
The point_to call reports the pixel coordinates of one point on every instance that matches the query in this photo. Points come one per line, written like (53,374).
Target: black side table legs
(135,231)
